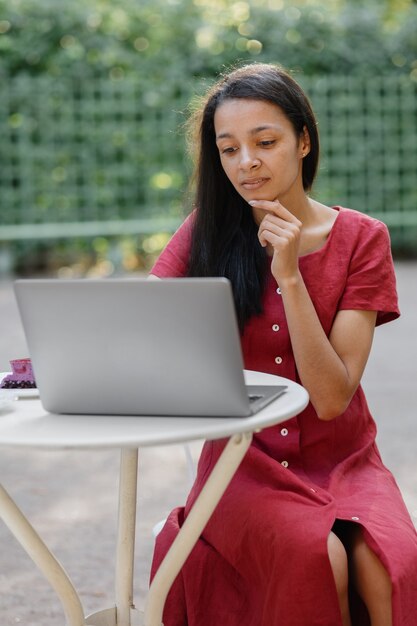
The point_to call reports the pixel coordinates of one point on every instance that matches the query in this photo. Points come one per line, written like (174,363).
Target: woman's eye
(267,142)
(228,150)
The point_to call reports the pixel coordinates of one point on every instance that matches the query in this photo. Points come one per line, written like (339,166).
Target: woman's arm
(330,368)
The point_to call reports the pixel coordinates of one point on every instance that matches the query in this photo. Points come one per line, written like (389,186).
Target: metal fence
(82,157)
(368,130)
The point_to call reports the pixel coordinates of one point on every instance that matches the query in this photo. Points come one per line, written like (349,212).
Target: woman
(312,529)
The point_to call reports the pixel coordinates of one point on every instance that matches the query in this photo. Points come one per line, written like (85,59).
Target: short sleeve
(371,283)
(173,260)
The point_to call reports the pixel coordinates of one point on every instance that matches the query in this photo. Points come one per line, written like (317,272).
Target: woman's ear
(305,144)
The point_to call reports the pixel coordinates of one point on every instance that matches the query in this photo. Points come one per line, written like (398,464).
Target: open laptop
(137,347)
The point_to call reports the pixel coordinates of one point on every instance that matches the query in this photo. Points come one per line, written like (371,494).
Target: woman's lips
(254,183)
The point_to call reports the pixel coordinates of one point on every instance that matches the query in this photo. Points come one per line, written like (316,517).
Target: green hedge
(103,151)
(164,40)
(93,97)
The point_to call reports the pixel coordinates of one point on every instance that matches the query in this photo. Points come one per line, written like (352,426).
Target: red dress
(262,559)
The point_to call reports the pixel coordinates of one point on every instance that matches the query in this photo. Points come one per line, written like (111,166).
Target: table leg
(126,535)
(124,613)
(194,524)
(44,559)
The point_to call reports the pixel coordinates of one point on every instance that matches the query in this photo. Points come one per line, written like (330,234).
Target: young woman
(312,530)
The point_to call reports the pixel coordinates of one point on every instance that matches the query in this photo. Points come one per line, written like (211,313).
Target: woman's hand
(280,230)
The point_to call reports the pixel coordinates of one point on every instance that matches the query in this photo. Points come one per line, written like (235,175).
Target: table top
(25,423)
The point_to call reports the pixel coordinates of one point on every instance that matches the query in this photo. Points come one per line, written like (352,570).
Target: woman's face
(259,150)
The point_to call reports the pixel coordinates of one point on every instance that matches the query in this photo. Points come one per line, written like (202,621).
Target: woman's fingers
(276,230)
(273,239)
(275,208)
(276,236)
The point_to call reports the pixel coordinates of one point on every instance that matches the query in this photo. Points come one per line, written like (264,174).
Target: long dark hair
(224,239)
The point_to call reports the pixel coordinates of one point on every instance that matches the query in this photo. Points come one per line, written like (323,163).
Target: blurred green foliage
(93,94)
(163,40)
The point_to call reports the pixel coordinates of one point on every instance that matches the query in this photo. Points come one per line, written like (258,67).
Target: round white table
(24,423)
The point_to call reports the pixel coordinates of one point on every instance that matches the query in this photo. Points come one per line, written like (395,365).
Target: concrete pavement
(71,496)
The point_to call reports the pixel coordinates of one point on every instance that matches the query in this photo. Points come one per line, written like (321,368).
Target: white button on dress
(275,328)
(284,463)
(355,519)
(284,432)
(278,360)
(279,291)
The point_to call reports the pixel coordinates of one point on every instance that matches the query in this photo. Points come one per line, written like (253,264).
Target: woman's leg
(370,579)
(339,563)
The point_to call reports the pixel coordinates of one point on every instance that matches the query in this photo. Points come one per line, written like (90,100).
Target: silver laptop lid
(134,346)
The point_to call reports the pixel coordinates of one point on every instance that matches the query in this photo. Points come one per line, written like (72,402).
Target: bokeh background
(94,95)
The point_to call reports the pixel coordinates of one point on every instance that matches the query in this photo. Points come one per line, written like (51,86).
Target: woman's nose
(248,160)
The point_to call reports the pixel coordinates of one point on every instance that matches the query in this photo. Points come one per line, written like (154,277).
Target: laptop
(123,346)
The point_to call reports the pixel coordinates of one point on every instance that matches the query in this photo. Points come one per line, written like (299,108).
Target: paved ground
(71,496)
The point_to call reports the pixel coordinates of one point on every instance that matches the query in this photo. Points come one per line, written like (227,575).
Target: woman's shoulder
(360,229)
(370,282)
(359,220)
(173,260)
(343,232)
(182,235)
